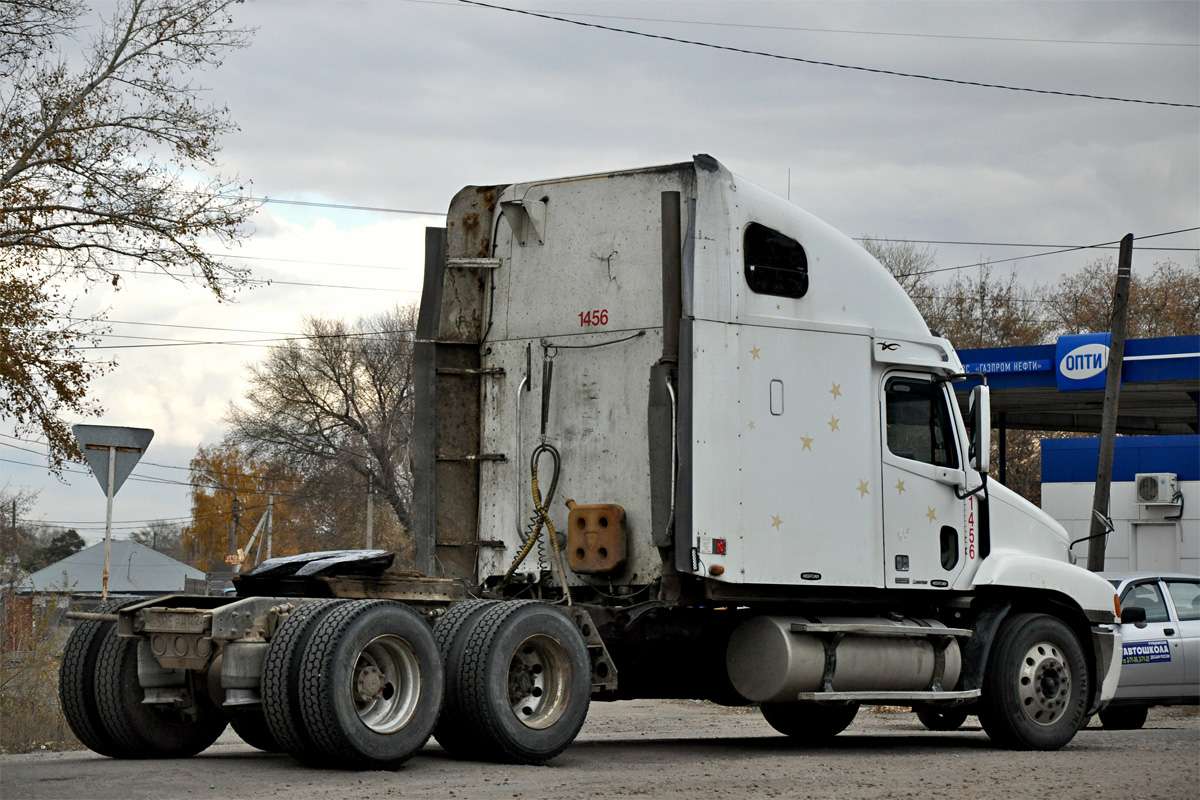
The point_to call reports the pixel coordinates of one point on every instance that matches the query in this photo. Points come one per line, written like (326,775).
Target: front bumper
(1106,645)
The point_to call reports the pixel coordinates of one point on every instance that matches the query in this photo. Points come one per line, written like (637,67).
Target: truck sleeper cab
(675,438)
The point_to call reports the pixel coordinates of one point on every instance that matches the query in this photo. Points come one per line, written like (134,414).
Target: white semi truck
(676,438)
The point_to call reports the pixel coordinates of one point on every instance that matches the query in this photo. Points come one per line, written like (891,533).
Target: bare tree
(99,155)
(343,395)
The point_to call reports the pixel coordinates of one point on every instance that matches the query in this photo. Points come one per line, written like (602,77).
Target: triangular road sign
(96,441)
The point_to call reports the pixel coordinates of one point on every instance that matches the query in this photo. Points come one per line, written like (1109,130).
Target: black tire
(1036,684)
(251,725)
(809,723)
(937,718)
(281,678)
(1123,718)
(524,682)
(77,681)
(147,731)
(453,732)
(371,684)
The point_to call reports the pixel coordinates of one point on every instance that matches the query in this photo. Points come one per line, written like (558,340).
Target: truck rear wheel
(252,727)
(142,730)
(77,681)
(281,677)
(1123,718)
(809,723)
(941,719)
(1036,685)
(453,731)
(371,684)
(524,682)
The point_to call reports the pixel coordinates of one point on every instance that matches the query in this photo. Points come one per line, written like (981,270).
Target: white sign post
(112,453)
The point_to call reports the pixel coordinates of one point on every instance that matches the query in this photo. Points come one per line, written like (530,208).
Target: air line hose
(542,517)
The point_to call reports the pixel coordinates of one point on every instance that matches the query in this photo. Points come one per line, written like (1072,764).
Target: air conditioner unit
(1156,488)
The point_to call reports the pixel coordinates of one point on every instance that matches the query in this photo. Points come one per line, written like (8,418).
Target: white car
(1160,664)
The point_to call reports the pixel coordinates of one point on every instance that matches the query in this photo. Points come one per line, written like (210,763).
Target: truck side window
(775,264)
(919,422)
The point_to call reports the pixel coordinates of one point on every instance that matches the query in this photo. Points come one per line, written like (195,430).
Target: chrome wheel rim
(386,684)
(538,677)
(1045,685)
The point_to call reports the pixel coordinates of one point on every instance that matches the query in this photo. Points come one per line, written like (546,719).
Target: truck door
(924,521)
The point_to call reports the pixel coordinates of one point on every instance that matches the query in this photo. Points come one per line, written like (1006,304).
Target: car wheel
(371,684)
(1123,718)
(1036,688)
(524,682)
(809,723)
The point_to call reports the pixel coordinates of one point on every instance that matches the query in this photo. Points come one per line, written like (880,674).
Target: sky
(399,104)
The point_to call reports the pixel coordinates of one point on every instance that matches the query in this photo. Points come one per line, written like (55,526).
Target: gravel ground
(674,749)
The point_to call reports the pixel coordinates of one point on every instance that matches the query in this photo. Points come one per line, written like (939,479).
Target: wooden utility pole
(1108,423)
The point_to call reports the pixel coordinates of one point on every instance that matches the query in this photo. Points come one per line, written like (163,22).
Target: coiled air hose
(542,517)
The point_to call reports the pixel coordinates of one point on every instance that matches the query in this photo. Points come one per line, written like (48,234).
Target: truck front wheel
(809,723)
(1036,684)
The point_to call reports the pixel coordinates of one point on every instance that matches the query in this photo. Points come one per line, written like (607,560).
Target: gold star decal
(776,522)
(899,487)
(833,424)
(754,352)
(807,443)
(751,424)
(932,516)
(836,391)
(863,491)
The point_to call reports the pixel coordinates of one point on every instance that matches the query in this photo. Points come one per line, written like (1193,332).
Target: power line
(266,281)
(814,62)
(354,208)
(844,30)
(1022,244)
(1039,255)
(187,327)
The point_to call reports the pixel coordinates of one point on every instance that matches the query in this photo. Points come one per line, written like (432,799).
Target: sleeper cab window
(775,264)
(919,425)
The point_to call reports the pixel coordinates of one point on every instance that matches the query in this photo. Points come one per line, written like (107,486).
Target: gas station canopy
(1060,387)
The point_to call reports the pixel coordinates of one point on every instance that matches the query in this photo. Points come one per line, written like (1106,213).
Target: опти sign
(1081,361)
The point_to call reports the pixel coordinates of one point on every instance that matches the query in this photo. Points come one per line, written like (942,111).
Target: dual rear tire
(354,684)
(102,698)
(518,681)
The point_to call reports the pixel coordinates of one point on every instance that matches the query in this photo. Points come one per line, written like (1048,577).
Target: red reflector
(719,546)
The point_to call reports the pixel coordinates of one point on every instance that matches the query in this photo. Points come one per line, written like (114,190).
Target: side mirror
(980,426)
(1133,614)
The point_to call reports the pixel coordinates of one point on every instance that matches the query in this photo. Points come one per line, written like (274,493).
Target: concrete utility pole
(1108,423)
